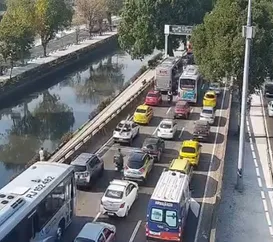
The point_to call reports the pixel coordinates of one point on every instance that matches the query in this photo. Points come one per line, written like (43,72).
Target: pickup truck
(201,130)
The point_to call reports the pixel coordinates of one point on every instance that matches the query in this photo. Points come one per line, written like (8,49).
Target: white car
(167,129)
(208,114)
(125,132)
(216,87)
(270,108)
(119,198)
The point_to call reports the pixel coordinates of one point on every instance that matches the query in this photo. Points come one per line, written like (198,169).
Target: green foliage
(141,29)
(219,45)
(51,16)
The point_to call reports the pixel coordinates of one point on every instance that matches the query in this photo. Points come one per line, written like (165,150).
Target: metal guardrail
(67,153)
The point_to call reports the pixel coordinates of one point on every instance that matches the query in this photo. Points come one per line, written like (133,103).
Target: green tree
(141,28)
(51,16)
(219,46)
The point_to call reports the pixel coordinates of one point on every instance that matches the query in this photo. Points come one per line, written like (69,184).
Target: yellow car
(143,114)
(191,150)
(210,99)
(181,165)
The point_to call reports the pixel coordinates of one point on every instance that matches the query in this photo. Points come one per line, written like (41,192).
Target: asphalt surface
(132,228)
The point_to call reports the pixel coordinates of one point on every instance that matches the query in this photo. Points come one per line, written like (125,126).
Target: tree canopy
(141,28)
(218,44)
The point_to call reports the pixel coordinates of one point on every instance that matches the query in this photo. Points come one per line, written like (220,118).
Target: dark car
(154,146)
(201,130)
(182,109)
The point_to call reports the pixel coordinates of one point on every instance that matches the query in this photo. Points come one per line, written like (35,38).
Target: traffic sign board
(178,29)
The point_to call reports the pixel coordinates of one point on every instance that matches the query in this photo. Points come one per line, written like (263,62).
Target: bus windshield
(187,83)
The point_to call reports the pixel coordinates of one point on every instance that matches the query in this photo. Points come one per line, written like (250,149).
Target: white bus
(190,83)
(39,204)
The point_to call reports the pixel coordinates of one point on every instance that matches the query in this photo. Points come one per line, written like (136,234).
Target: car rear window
(165,126)
(79,168)
(125,127)
(152,95)
(114,194)
(139,110)
(188,150)
(207,111)
(80,239)
(210,96)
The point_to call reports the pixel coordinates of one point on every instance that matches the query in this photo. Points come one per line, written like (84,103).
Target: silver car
(208,114)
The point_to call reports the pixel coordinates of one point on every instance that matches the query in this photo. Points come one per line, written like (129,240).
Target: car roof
(167,121)
(207,108)
(91,231)
(181,102)
(210,93)
(151,140)
(143,106)
(125,122)
(179,164)
(82,159)
(190,143)
(153,92)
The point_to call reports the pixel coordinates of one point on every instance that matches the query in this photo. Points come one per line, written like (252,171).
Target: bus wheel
(60,230)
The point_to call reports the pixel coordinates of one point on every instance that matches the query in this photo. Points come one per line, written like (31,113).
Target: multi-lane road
(204,181)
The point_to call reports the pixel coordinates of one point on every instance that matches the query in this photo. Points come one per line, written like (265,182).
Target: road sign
(178,29)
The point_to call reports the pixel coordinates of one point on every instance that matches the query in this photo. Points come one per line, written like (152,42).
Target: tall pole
(248,33)
(166,45)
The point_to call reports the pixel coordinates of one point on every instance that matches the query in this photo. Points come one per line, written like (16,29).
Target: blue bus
(168,207)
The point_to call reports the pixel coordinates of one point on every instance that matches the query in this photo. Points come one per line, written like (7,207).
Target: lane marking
(135,231)
(170,108)
(182,130)
(191,110)
(209,172)
(97,216)
(156,130)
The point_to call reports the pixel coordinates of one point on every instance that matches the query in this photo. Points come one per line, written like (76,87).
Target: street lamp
(248,34)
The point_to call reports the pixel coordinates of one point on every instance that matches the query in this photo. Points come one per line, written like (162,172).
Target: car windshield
(207,111)
(139,110)
(152,95)
(210,96)
(168,217)
(113,194)
(165,126)
(124,127)
(80,239)
(188,150)
(79,168)
(187,83)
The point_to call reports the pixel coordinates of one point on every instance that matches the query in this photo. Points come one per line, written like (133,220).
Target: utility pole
(248,34)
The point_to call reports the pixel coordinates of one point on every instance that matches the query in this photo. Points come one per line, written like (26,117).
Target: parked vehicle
(153,98)
(210,99)
(201,130)
(125,132)
(208,114)
(182,110)
(168,207)
(119,198)
(270,108)
(139,166)
(167,129)
(154,146)
(97,232)
(143,114)
(181,165)
(216,87)
(88,167)
(191,150)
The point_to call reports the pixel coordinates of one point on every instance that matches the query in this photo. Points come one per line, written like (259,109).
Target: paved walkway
(247,216)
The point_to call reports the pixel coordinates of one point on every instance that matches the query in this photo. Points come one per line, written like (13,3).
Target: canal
(42,118)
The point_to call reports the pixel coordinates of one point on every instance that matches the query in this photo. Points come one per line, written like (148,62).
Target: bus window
(171,218)
(187,83)
(157,215)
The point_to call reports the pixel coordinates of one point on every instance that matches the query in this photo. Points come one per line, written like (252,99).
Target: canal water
(44,117)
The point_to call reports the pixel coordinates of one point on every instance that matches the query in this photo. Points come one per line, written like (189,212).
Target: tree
(93,13)
(142,23)
(113,7)
(51,16)
(219,46)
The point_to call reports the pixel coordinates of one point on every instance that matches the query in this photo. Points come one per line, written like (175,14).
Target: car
(216,87)
(154,146)
(182,165)
(190,149)
(208,114)
(182,109)
(96,232)
(201,130)
(138,166)
(153,98)
(88,167)
(125,132)
(270,108)
(210,99)
(119,198)
(167,129)
(143,114)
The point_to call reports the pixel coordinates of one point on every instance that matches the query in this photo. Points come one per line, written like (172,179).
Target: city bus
(190,83)
(39,204)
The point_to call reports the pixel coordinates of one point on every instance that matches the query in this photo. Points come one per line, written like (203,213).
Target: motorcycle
(118,161)
(169,98)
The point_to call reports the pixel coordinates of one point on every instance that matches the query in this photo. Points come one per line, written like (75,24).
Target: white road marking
(209,172)
(170,108)
(156,130)
(182,130)
(191,110)
(135,231)
(97,216)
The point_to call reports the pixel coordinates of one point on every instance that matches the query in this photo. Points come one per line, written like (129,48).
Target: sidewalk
(247,216)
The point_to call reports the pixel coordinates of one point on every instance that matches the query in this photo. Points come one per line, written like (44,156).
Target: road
(132,228)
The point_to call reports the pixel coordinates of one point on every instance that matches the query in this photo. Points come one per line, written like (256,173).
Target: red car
(182,109)
(153,98)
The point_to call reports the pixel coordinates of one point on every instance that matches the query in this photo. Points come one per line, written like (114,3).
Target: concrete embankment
(35,72)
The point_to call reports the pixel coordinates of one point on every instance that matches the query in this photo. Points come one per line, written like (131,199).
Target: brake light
(146,229)
(141,170)
(86,174)
(180,231)
(122,205)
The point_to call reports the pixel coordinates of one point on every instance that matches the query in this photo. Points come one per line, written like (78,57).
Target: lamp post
(248,34)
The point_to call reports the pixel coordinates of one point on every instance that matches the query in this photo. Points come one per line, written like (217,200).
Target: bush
(66,137)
